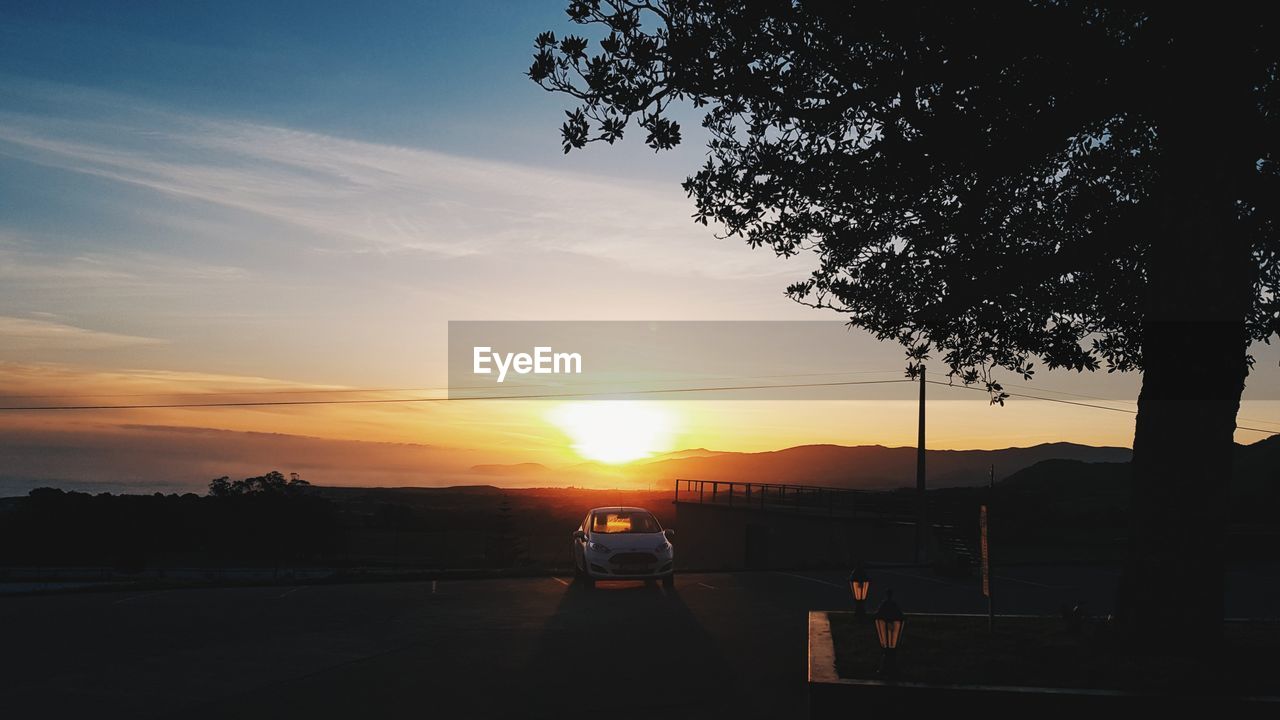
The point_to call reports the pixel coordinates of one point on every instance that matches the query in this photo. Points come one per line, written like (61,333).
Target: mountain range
(1255,474)
(868,467)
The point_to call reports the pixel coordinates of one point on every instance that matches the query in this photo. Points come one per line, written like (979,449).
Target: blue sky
(414,73)
(202,196)
(192,175)
(442,75)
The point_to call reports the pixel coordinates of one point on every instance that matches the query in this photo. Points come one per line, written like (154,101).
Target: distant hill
(522,469)
(1257,469)
(1086,469)
(590,468)
(1255,478)
(869,466)
(1059,475)
(346,492)
(680,454)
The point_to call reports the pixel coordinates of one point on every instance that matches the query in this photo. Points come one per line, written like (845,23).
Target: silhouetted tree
(133,532)
(273,483)
(1087,184)
(220,487)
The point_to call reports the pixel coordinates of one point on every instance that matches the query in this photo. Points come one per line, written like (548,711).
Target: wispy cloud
(24,262)
(356,196)
(40,335)
(261,249)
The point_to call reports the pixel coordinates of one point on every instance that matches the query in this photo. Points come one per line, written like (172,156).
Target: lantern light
(859,584)
(889,623)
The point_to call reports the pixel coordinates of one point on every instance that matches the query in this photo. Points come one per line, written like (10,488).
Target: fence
(802,498)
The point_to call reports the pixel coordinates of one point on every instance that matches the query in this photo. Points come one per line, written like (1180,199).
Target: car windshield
(624,521)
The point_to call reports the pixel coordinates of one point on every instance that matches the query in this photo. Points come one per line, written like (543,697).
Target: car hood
(630,542)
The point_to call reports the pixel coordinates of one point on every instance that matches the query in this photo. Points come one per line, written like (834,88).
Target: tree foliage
(981,182)
(272,483)
(249,527)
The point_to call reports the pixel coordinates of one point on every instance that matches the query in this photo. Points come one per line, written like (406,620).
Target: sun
(615,431)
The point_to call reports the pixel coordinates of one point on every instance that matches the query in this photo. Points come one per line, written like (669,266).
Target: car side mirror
(579,535)
(671,534)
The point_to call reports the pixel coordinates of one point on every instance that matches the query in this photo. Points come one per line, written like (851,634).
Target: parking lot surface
(530,647)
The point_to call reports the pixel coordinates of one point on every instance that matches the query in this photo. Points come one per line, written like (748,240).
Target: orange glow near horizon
(462,443)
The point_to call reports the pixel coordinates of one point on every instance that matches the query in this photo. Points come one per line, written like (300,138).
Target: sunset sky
(222,197)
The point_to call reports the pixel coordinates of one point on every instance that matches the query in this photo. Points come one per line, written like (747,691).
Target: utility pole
(922,503)
(984,522)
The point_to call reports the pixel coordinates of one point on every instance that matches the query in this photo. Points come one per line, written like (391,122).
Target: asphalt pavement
(719,644)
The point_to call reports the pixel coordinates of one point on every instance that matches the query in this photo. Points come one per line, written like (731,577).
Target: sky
(215,197)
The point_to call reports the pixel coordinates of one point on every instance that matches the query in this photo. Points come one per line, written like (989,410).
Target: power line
(225,393)
(376,401)
(1045,389)
(561,396)
(1096,397)
(1028,396)
(1037,397)
(358,391)
(349,391)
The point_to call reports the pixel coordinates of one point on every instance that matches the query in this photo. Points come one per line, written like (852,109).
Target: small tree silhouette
(272,483)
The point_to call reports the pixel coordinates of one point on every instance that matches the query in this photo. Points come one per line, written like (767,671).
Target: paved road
(533,647)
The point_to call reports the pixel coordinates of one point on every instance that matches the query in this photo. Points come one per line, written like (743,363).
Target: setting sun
(615,431)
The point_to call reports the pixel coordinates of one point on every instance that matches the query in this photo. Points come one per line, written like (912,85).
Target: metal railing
(805,498)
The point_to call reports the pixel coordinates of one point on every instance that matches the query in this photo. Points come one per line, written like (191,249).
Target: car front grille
(633,558)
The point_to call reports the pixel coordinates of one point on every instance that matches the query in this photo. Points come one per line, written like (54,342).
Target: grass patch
(1039,652)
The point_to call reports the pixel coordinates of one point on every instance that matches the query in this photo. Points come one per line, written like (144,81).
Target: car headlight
(664,547)
(598,547)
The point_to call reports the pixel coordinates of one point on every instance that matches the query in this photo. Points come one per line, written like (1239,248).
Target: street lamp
(889,622)
(859,583)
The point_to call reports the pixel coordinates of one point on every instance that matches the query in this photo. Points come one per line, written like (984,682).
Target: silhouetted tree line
(259,521)
(271,483)
(274,520)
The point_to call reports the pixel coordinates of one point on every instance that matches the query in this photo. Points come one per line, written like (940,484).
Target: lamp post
(859,584)
(889,622)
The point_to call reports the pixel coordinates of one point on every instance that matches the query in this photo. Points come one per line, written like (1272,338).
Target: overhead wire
(1077,403)
(535,396)
(374,401)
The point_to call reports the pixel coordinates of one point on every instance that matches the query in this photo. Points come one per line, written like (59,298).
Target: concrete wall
(717,537)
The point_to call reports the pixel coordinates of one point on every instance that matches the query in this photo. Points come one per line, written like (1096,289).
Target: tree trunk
(1172,589)
(1194,348)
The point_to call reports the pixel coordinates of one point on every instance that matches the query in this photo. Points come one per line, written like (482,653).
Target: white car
(622,543)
